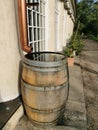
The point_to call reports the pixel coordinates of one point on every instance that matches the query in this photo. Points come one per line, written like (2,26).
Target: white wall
(65,26)
(9,54)
(50,25)
(61,25)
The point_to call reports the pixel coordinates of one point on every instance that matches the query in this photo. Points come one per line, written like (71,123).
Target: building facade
(50,25)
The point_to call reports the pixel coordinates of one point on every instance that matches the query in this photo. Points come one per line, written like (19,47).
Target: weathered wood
(44,91)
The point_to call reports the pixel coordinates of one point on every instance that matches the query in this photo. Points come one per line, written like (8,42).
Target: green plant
(69,52)
(75,45)
(92,37)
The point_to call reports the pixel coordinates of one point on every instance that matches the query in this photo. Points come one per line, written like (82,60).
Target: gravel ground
(89,63)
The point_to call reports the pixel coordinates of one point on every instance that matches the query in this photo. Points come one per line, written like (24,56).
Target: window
(36,24)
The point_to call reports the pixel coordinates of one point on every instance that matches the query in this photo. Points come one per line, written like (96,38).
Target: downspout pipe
(23,31)
(69,10)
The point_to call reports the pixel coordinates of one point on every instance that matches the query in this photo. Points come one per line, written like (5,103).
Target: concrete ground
(89,63)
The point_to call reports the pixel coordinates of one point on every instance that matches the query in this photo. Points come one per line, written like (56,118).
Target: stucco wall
(50,25)
(61,25)
(65,26)
(9,54)
(69,28)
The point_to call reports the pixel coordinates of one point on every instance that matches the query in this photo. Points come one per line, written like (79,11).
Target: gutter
(71,8)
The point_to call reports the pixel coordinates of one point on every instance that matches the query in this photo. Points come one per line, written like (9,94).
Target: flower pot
(70,61)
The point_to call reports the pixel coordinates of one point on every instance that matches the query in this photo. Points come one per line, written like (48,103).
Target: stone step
(75,113)
(56,128)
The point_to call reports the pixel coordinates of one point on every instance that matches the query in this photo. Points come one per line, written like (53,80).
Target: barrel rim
(45,63)
(45,69)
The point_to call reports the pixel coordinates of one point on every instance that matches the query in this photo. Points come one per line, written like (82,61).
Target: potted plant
(77,44)
(69,52)
(74,48)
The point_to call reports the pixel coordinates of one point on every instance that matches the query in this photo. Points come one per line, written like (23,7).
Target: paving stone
(56,128)
(25,124)
(75,119)
(75,113)
(76,92)
(76,106)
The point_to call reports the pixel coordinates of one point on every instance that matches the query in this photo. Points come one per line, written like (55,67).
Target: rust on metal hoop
(22,17)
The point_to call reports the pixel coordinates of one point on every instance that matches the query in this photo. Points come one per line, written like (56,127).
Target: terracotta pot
(70,61)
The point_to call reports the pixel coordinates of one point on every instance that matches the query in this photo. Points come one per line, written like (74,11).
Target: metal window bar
(36,24)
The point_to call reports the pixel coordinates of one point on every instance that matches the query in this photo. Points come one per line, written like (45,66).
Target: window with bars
(36,24)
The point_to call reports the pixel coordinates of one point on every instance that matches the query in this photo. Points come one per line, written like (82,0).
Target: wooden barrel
(44,86)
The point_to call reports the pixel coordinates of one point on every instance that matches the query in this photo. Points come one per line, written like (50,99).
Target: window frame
(36,25)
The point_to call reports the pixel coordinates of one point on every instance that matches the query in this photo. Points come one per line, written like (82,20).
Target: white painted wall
(57,13)
(9,54)
(61,17)
(69,28)
(50,25)
(65,26)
